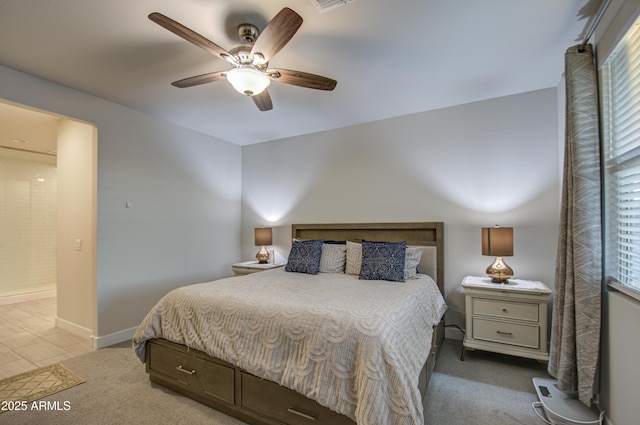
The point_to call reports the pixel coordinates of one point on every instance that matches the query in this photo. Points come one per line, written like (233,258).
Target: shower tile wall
(28,209)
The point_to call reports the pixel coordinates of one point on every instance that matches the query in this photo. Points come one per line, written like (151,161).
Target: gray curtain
(575,329)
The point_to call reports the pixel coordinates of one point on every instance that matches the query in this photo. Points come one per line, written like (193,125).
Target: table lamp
(498,242)
(263,237)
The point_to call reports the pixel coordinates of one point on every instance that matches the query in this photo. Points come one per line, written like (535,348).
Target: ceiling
(390,58)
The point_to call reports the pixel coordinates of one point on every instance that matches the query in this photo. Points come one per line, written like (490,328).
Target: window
(620,82)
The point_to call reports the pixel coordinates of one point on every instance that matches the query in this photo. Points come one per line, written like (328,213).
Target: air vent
(324,5)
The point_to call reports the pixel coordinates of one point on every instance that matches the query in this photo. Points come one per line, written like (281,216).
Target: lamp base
(499,271)
(262,256)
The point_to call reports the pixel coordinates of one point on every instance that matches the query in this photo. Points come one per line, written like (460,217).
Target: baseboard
(99,342)
(73,328)
(19,298)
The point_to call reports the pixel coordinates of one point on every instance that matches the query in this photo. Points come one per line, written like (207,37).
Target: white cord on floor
(538,405)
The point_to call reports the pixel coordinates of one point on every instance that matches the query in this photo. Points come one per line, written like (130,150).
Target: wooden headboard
(429,235)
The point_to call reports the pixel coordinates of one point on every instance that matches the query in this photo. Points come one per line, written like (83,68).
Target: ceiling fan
(250,74)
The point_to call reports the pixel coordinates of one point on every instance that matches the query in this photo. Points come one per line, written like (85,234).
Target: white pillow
(412,257)
(354,258)
(333,259)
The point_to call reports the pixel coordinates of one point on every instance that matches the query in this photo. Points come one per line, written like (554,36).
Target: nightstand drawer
(505,309)
(506,333)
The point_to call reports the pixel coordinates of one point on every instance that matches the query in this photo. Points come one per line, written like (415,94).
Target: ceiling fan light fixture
(248,81)
(250,74)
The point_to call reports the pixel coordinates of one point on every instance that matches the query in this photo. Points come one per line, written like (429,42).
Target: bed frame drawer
(191,369)
(231,390)
(284,405)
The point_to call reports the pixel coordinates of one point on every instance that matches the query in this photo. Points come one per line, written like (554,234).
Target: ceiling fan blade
(263,101)
(190,35)
(302,79)
(200,79)
(277,33)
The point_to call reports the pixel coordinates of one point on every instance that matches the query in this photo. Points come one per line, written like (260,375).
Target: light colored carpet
(17,391)
(485,389)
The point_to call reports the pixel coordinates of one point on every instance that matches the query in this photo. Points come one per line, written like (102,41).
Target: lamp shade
(263,236)
(497,241)
(248,81)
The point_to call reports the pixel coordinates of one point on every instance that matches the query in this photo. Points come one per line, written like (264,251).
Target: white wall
(76,228)
(620,375)
(183,224)
(184,188)
(474,165)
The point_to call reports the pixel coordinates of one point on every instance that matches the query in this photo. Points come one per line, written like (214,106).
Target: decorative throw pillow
(383,261)
(412,257)
(305,257)
(354,258)
(333,258)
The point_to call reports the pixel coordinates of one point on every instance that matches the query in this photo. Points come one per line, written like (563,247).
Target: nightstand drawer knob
(504,310)
(503,333)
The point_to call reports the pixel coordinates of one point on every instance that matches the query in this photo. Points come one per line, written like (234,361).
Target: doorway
(69,242)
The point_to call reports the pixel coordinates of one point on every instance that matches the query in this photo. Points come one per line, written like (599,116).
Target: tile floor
(29,338)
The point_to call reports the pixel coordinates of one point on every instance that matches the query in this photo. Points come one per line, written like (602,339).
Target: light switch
(78,244)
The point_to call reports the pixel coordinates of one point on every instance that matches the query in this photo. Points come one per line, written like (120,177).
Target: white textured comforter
(355,346)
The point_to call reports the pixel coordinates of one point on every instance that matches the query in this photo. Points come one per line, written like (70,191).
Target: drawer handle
(303,415)
(503,333)
(504,310)
(183,370)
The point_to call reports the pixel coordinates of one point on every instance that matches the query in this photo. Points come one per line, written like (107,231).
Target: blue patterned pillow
(305,257)
(383,261)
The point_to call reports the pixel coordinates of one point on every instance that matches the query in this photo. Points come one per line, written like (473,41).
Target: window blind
(620,82)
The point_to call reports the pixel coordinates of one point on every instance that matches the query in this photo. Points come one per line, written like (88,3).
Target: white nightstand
(506,318)
(249,267)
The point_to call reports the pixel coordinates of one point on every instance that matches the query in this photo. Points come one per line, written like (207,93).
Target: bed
(286,347)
